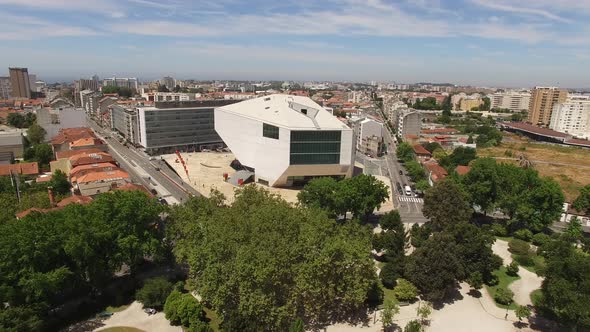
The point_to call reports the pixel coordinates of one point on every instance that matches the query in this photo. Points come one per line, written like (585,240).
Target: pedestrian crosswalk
(410,199)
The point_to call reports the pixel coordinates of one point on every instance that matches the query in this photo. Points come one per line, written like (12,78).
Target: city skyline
(472,42)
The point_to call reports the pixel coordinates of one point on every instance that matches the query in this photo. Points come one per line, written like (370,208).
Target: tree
(488,136)
(486,104)
(320,193)
(516,117)
(422,185)
(390,309)
(475,280)
(59,182)
(404,290)
(405,152)
(540,205)
(431,146)
(447,106)
(163,88)
(424,311)
(297,326)
(434,267)
(413,326)
(470,139)
(512,269)
(227,249)
(154,292)
(459,156)
(36,134)
(474,252)
(362,194)
(574,230)
(522,311)
(504,296)
(42,153)
(582,202)
(446,204)
(481,183)
(389,274)
(415,171)
(184,309)
(419,234)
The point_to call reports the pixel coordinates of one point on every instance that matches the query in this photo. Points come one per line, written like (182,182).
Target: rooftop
(462,170)
(71,153)
(22,168)
(420,150)
(286,111)
(101,175)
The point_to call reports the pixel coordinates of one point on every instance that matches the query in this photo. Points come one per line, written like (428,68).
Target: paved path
(134,316)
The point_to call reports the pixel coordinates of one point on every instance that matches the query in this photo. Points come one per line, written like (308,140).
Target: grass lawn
(536,296)
(388,294)
(214,320)
(122,329)
(538,261)
(504,281)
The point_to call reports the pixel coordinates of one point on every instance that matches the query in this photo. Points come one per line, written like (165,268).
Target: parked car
(401,172)
(150,311)
(408,190)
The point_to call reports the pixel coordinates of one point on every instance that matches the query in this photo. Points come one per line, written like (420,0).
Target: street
(153,174)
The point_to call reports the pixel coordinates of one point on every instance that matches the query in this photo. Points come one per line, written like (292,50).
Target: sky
(507,43)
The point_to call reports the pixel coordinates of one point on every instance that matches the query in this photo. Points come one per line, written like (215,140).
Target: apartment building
(90,101)
(364,128)
(543,99)
(84,84)
(572,117)
(130,82)
(19,82)
(171,126)
(124,121)
(5,88)
(408,122)
(56,119)
(512,100)
(468,103)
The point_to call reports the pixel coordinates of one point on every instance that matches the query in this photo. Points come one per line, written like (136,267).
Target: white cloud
(506,7)
(13,27)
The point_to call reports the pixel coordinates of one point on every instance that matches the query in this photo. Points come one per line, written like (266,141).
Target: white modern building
(572,117)
(513,100)
(408,122)
(286,140)
(364,128)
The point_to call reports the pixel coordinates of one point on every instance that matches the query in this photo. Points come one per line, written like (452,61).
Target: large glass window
(270,131)
(315,147)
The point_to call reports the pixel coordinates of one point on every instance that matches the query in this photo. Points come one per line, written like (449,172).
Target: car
(150,311)
(154,192)
(152,158)
(401,172)
(408,190)
(162,201)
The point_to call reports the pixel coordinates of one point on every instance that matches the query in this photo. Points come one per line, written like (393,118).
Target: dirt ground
(564,164)
(134,316)
(206,169)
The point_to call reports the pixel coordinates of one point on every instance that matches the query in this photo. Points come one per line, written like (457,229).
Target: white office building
(286,140)
(572,117)
(512,100)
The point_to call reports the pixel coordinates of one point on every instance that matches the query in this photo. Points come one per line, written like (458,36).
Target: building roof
(576,141)
(87,141)
(439,131)
(91,158)
(22,168)
(11,138)
(77,199)
(462,170)
(44,178)
(286,111)
(534,129)
(68,135)
(421,151)
(86,167)
(437,172)
(71,153)
(100,175)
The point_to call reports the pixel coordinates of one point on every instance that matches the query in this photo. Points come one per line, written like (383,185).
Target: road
(153,174)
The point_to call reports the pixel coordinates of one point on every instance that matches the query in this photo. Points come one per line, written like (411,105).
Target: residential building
(69,159)
(5,88)
(103,113)
(90,101)
(20,168)
(421,153)
(409,122)
(124,121)
(19,82)
(171,126)
(84,84)
(572,117)
(61,141)
(99,181)
(512,100)
(543,99)
(54,120)
(435,172)
(391,109)
(12,142)
(468,103)
(372,145)
(286,140)
(32,81)
(168,82)
(168,96)
(130,83)
(365,127)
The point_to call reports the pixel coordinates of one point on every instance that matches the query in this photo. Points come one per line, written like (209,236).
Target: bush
(492,280)
(540,267)
(499,230)
(405,290)
(540,239)
(413,326)
(512,269)
(503,296)
(179,286)
(525,260)
(519,247)
(388,275)
(184,309)
(523,234)
(154,292)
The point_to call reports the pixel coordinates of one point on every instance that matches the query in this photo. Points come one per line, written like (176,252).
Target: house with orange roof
(66,160)
(421,153)
(99,181)
(22,168)
(133,187)
(435,172)
(62,140)
(88,143)
(78,171)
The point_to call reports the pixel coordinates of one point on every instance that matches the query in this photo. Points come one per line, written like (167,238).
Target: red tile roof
(534,129)
(439,131)
(71,153)
(91,158)
(437,172)
(462,170)
(132,186)
(22,168)
(91,167)
(421,151)
(576,141)
(115,174)
(411,136)
(69,135)
(76,199)
(86,141)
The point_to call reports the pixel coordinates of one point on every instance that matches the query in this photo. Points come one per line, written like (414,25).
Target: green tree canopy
(36,134)
(262,262)
(481,183)
(582,202)
(446,204)
(459,156)
(405,152)
(59,182)
(154,292)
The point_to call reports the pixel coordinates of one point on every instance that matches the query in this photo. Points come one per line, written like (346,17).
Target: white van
(408,190)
